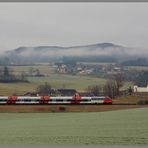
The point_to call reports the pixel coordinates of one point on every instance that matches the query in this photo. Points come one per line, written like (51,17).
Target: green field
(56,80)
(126,127)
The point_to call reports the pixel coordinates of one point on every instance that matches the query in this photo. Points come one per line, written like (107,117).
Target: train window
(35,100)
(85,100)
(27,100)
(68,100)
(98,98)
(59,100)
(19,100)
(3,100)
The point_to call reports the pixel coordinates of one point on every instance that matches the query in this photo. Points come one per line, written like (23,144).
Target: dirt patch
(64,108)
(132,99)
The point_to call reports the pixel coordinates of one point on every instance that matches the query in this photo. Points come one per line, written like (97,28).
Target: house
(86,94)
(67,92)
(140,89)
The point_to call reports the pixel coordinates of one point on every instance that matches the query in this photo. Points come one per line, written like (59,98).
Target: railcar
(55,100)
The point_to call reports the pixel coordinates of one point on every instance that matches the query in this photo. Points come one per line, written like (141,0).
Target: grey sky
(68,24)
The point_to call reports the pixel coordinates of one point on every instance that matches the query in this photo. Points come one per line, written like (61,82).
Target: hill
(106,51)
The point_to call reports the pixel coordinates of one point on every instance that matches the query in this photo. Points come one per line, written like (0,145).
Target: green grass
(55,80)
(46,69)
(78,82)
(69,81)
(126,127)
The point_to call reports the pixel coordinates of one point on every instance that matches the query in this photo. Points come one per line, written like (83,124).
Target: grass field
(124,127)
(56,80)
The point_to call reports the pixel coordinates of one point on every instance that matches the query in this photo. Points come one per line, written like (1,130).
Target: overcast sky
(70,24)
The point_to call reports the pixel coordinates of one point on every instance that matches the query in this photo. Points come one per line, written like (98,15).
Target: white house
(140,89)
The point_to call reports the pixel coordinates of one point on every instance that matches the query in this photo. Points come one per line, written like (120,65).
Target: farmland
(124,127)
(56,80)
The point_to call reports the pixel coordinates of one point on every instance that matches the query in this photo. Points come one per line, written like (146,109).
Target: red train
(55,100)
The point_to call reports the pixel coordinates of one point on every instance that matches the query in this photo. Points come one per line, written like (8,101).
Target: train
(76,99)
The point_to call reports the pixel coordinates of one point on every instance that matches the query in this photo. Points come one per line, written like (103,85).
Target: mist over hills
(101,52)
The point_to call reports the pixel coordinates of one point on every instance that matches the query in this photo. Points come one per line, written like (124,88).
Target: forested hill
(101,52)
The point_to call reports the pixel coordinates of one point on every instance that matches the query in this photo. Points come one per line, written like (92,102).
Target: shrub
(61,108)
(143,102)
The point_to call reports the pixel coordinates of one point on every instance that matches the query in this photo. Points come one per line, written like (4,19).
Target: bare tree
(38,72)
(95,90)
(119,80)
(110,89)
(23,76)
(44,89)
(31,71)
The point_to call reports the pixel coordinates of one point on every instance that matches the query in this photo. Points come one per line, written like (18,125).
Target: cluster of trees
(6,76)
(111,88)
(89,58)
(34,72)
(137,62)
(139,78)
(5,61)
(142,79)
(43,89)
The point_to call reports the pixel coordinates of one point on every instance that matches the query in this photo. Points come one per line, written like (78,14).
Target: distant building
(67,92)
(140,89)
(86,94)
(117,69)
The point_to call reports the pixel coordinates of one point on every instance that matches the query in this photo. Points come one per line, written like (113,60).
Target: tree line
(6,76)
(112,88)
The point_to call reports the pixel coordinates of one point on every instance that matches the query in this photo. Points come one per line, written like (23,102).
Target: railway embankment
(65,108)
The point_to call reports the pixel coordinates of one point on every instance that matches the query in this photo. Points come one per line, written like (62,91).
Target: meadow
(55,80)
(78,82)
(124,127)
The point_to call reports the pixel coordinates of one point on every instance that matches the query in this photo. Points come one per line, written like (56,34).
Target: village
(88,68)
